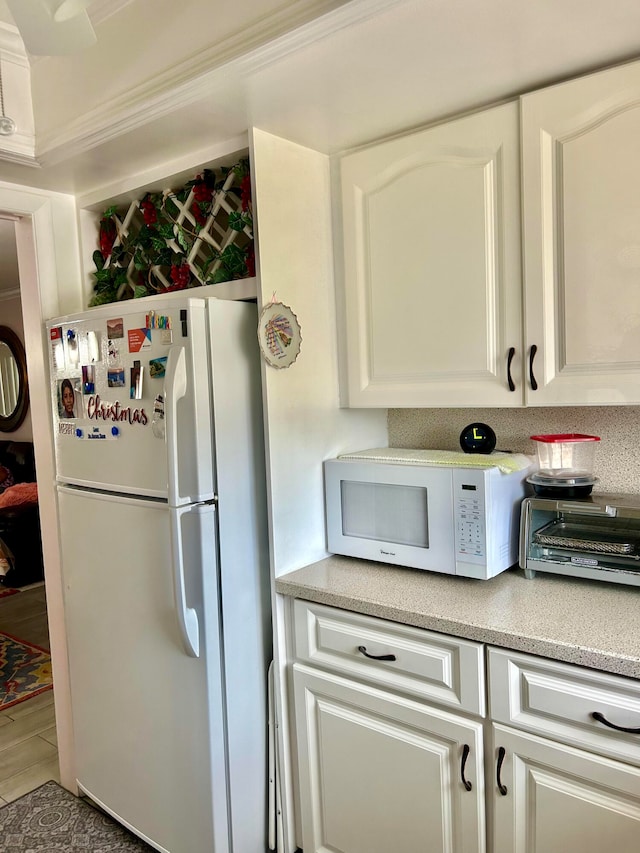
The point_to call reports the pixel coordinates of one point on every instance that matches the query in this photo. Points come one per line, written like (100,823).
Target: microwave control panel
(470,528)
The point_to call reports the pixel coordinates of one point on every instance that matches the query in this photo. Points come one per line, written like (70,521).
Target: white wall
(48,261)
(303,422)
(11,316)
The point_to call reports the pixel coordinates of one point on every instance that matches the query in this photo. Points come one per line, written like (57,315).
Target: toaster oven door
(580,542)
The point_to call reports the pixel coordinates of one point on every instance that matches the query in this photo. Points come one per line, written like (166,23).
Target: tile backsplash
(617,462)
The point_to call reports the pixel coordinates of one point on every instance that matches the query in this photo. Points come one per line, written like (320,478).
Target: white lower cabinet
(550,798)
(381,773)
(390,744)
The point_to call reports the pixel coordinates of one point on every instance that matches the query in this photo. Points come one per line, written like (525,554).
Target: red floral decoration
(180,276)
(250,262)
(149,212)
(107,236)
(245,192)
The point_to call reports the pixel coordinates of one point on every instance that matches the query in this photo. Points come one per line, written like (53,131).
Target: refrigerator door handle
(175,389)
(187,616)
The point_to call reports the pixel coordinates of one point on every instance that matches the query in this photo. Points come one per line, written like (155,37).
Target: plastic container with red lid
(566,456)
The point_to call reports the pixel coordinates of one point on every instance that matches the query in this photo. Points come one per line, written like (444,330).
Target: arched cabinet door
(581,173)
(428,237)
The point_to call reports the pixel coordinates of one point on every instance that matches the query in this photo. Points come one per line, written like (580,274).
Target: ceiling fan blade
(43,35)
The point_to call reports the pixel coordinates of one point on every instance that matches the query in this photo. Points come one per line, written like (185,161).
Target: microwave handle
(587,509)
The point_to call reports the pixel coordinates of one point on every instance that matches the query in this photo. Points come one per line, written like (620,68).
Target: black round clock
(478,438)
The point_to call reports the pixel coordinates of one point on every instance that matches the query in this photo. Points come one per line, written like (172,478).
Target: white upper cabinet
(431,266)
(581,180)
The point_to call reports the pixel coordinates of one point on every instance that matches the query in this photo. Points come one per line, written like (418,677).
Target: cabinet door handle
(363,650)
(466,749)
(602,719)
(510,355)
(501,754)
(532,378)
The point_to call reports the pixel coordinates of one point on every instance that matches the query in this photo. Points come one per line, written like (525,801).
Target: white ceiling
(355,76)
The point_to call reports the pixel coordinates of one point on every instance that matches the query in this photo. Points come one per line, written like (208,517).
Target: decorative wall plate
(279,335)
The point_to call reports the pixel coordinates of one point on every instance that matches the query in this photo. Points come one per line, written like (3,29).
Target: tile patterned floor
(28,747)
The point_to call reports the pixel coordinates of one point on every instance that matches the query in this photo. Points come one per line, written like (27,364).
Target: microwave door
(393,514)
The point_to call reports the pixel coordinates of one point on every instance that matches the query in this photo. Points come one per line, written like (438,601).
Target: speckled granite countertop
(583,622)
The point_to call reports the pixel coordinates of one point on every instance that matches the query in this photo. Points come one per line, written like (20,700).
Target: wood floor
(28,747)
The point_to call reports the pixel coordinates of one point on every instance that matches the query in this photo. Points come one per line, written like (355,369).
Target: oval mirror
(14,388)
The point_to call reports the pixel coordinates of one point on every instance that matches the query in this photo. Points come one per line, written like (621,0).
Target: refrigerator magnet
(279,335)
(115,377)
(139,339)
(57,347)
(93,347)
(115,328)
(67,402)
(88,379)
(158,367)
(135,387)
(73,355)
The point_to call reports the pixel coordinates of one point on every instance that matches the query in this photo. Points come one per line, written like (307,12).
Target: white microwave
(438,517)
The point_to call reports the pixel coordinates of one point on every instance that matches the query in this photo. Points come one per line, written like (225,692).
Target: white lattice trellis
(214,235)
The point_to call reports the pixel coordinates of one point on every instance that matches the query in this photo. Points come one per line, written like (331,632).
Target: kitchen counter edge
(591,624)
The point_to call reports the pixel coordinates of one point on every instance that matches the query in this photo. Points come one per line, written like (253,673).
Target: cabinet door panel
(581,171)
(563,800)
(381,773)
(431,265)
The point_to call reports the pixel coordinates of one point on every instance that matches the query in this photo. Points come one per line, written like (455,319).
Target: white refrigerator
(160,478)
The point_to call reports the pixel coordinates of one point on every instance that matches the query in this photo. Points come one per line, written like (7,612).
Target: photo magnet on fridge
(116,378)
(158,367)
(115,328)
(135,387)
(88,379)
(67,402)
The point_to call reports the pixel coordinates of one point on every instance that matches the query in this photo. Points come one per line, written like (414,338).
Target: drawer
(558,700)
(432,666)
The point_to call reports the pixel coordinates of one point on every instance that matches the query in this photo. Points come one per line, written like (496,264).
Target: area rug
(5,592)
(25,671)
(50,819)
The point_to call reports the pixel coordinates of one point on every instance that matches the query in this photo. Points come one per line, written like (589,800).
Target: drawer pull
(532,378)
(364,651)
(602,719)
(501,754)
(466,749)
(512,384)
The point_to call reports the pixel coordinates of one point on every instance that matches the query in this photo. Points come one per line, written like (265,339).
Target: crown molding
(241,54)
(18,148)
(11,45)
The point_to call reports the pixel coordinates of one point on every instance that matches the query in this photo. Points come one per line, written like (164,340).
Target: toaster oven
(596,537)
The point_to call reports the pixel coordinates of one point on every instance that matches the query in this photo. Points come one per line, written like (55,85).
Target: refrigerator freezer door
(132,400)
(148,718)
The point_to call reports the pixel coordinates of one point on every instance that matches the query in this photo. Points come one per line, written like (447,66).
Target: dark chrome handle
(602,719)
(501,754)
(364,651)
(512,352)
(532,378)
(465,754)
